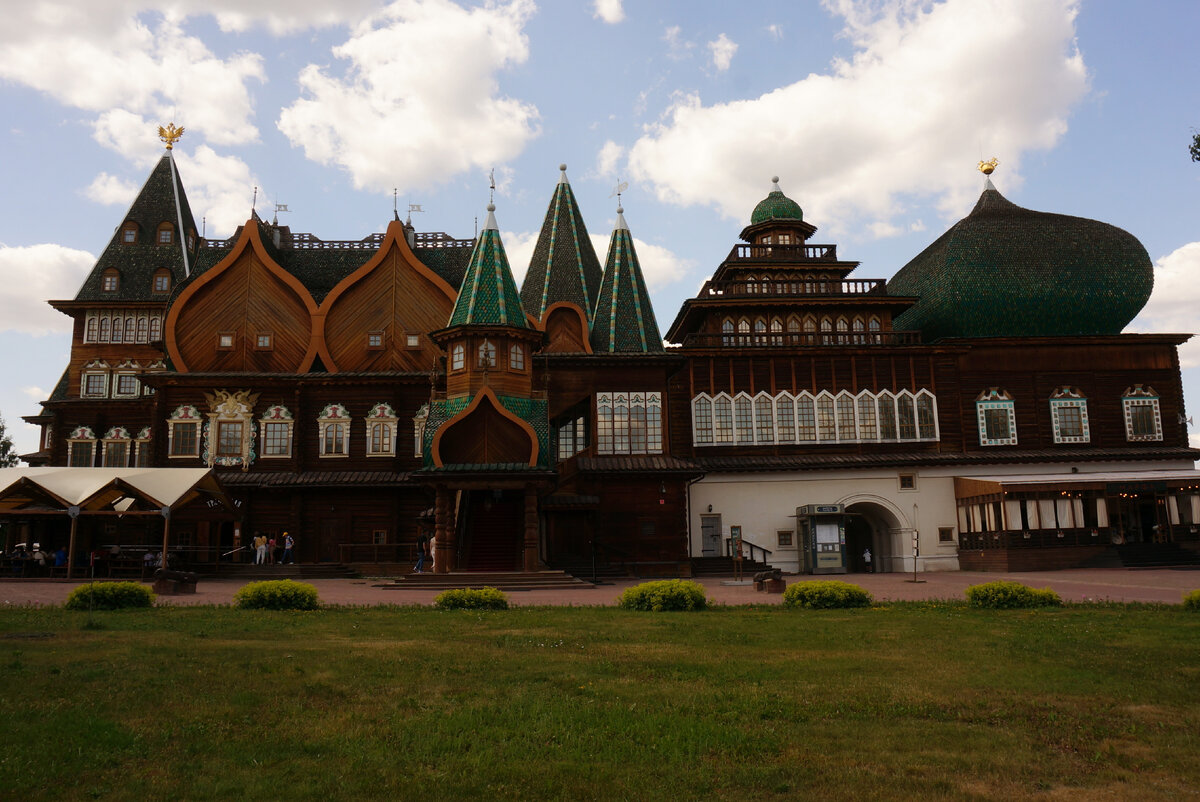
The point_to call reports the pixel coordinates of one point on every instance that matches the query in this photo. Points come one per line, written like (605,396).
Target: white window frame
(277,415)
(81,435)
(419,421)
(333,415)
(1069,398)
(183,415)
(139,456)
(117,435)
(637,431)
(994,399)
(382,414)
(96,369)
(1137,396)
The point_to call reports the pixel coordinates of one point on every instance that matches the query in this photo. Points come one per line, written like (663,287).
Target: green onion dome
(776,206)
(1005,271)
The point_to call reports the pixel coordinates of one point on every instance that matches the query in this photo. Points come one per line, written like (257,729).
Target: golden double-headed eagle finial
(984,167)
(170,134)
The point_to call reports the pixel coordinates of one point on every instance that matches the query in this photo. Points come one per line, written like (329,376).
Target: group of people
(36,562)
(265,549)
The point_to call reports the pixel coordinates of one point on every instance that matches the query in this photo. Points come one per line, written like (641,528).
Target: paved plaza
(1115,584)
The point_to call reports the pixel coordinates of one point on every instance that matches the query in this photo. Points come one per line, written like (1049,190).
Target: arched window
(874,327)
(764,420)
(727,332)
(722,420)
(743,419)
(760,332)
(105,330)
(826,331)
(847,428)
(333,429)
(516,358)
(487,355)
(926,416)
(843,326)
(785,419)
(604,423)
(866,417)
(887,416)
(776,331)
(110,281)
(621,423)
(457,356)
(276,427)
(143,332)
(155,329)
(166,234)
(744,332)
(118,329)
(381,431)
(93,330)
(806,420)
(857,326)
(826,419)
(906,416)
(129,232)
(751,284)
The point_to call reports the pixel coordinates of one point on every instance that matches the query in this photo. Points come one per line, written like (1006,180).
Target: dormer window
(487,355)
(162,281)
(129,233)
(166,234)
(516,358)
(110,281)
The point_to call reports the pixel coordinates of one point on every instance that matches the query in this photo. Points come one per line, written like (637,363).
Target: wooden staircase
(503,580)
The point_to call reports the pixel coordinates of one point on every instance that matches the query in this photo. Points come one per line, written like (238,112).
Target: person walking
(422,547)
(867,560)
(289,543)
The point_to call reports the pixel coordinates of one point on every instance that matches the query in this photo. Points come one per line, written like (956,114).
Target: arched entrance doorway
(872,525)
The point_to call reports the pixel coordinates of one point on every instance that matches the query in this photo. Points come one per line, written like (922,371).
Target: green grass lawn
(905,701)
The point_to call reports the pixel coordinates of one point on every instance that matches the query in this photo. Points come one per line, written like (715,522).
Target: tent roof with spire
(564,266)
(137,262)
(624,320)
(488,296)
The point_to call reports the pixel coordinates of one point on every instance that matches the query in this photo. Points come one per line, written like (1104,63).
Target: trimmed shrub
(1005,595)
(471,599)
(1191,601)
(110,596)
(277,594)
(664,594)
(826,594)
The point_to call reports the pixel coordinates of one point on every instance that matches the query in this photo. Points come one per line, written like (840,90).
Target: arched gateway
(874,523)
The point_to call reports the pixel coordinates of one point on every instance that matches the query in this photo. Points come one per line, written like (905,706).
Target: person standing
(422,547)
(289,543)
(271,550)
(260,549)
(867,560)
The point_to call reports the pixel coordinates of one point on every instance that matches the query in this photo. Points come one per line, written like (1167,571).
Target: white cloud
(31,274)
(660,266)
(130,56)
(111,190)
(775,31)
(518,247)
(606,160)
(389,124)
(678,48)
(722,50)
(222,186)
(1173,304)
(926,81)
(610,11)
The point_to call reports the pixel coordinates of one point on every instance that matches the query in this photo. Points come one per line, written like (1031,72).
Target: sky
(873,113)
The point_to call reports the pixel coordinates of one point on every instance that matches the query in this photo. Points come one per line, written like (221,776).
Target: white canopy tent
(106,491)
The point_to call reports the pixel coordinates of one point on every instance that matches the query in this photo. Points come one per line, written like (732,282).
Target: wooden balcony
(781,288)
(783,253)
(796,339)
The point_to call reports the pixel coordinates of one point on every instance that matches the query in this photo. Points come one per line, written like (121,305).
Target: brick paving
(1112,584)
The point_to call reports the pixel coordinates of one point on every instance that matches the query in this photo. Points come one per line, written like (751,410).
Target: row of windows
(806,418)
(486,356)
(117,326)
(628,423)
(997,417)
(97,380)
(761,330)
(117,448)
(160,282)
(163,235)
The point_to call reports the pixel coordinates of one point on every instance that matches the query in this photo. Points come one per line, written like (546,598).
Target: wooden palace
(982,409)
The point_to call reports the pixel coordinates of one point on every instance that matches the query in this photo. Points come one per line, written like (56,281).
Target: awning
(128,491)
(1111,481)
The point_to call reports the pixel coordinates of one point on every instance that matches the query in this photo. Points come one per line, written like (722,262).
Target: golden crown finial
(985,167)
(170,134)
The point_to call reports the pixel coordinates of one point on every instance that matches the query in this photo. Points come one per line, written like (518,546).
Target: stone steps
(507,580)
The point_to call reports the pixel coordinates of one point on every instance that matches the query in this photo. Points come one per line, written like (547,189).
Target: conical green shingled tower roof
(624,321)
(488,296)
(564,266)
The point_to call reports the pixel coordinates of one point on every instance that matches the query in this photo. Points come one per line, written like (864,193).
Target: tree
(8,454)
(1194,148)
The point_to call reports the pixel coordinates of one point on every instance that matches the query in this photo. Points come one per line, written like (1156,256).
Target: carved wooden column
(451,555)
(441,508)
(531,529)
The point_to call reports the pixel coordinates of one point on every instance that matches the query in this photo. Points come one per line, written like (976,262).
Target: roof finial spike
(254,203)
(492,186)
(395,206)
(775,181)
(562,178)
(989,166)
(170,134)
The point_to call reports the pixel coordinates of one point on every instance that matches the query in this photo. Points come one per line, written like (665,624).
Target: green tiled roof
(1005,271)
(532,411)
(137,262)
(564,266)
(488,296)
(776,206)
(624,320)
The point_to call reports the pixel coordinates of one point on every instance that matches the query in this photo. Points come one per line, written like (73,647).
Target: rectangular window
(413,340)
(162,283)
(908,481)
(764,420)
(116,454)
(516,358)
(908,420)
(785,417)
(224,340)
(381,439)
(743,419)
(81,454)
(141,453)
(164,236)
(95,385)
(866,419)
(620,425)
(826,422)
(945,534)
(374,340)
(1142,421)
(277,439)
(333,441)
(229,438)
(653,423)
(723,431)
(887,418)
(702,421)
(379,537)
(997,423)
(127,385)
(784,537)
(926,418)
(847,431)
(604,423)
(263,341)
(184,440)
(806,423)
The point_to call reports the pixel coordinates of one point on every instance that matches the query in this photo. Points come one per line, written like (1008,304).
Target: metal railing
(783,253)
(794,339)
(751,547)
(787,287)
